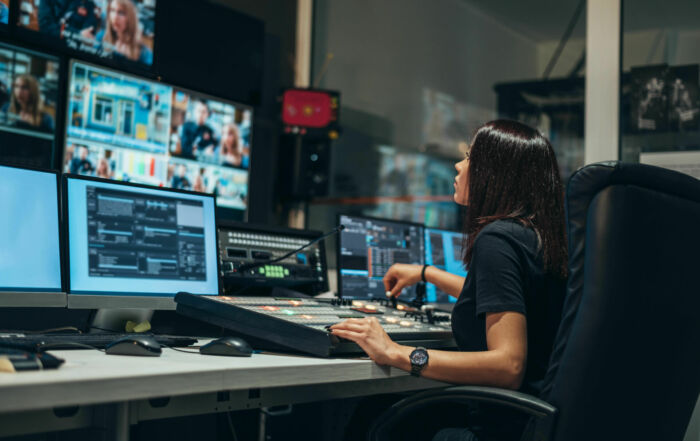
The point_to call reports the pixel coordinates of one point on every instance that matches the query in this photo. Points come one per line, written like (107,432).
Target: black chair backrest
(626,361)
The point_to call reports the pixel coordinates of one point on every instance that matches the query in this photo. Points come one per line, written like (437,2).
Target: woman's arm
(502,365)
(400,276)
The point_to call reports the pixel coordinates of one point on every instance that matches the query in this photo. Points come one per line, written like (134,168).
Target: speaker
(304,167)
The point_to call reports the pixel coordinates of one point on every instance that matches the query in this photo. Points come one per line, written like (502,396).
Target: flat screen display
(4,13)
(443,249)
(121,30)
(28,97)
(133,240)
(130,129)
(30,249)
(368,247)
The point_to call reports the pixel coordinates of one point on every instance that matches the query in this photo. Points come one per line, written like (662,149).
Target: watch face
(419,357)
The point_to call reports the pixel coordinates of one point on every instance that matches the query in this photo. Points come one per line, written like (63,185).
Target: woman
(26,106)
(509,306)
(123,33)
(231,149)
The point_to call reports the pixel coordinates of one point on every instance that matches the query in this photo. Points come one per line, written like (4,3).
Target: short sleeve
(498,272)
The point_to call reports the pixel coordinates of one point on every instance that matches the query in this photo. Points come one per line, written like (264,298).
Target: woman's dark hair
(513,174)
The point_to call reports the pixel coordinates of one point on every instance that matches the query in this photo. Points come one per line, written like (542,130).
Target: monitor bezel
(174,87)
(301,233)
(13,297)
(114,299)
(339,276)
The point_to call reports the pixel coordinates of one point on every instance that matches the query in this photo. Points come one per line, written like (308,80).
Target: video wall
(4,13)
(122,30)
(129,128)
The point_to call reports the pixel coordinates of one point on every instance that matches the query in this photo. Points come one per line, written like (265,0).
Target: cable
(230,425)
(196,351)
(564,39)
(58,344)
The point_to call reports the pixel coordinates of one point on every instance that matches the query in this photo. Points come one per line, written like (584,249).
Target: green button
(262,270)
(286,272)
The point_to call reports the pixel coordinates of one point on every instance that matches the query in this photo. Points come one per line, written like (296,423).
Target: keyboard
(41,342)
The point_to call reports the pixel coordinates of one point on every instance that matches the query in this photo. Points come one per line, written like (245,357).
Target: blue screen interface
(30,253)
(126,240)
(443,249)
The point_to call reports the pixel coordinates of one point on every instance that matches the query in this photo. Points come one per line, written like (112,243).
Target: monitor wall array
(368,246)
(122,239)
(124,127)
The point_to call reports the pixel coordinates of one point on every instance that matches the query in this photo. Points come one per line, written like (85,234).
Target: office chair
(625,364)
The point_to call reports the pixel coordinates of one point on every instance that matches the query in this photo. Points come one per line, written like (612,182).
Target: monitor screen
(30,248)
(127,239)
(4,13)
(121,30)
(28,95)
(443,249)
(131,129)
(368,247)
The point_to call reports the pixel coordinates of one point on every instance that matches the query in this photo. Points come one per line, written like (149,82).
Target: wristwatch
(419,359)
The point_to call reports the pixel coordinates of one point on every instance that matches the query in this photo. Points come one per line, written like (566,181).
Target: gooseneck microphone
(250,266)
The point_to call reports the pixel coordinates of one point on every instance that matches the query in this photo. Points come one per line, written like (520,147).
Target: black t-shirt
(506,274)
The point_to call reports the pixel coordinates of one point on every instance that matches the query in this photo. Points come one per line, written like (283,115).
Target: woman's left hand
(370,336)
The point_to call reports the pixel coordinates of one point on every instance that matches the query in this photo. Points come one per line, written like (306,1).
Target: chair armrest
(543,412)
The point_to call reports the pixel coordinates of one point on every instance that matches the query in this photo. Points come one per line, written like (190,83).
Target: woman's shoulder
(509,231)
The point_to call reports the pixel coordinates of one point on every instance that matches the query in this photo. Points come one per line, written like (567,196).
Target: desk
(113,391)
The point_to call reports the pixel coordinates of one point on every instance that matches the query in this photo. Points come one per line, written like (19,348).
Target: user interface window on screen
(4,12)
(368,247)
(125,239)
(443,249)
(30,257)
(122,30)
(127,128)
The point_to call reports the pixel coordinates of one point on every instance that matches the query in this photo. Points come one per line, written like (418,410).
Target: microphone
(250,266)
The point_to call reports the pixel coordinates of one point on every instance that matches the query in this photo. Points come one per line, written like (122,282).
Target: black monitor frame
(372,218)
(49,298)
(154,302)
(223,212)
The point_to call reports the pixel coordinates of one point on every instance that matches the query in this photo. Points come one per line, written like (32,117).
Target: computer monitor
(443,249)
(367,247)
(28,98)
(119,30)
(131,129)
(30,245)
(130,243)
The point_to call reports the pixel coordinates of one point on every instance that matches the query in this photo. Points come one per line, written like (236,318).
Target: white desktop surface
(92,377)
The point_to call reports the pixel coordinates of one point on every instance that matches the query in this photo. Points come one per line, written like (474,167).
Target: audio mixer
(300,325)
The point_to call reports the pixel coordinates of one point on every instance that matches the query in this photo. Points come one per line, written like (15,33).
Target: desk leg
(121,422)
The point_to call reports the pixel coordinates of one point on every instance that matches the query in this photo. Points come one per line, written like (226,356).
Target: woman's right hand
(400,276)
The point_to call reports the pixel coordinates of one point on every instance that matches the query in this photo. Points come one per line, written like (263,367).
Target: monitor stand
(115,319)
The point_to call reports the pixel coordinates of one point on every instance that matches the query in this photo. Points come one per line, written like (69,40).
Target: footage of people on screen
(119,29)
(27,99)
(80,160)
(209,131)
(4,12)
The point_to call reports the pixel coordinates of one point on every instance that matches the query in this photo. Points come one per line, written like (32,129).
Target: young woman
(26,107)
(508,308)
(231,149)
(123,34)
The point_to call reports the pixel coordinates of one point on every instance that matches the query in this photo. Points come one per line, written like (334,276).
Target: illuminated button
(288,312)
(400,307)
(295,302)
(286,272)
(262,270)
(392,320)
(270,308)
(371,307)
(307,316)
(405,324)
(358,304)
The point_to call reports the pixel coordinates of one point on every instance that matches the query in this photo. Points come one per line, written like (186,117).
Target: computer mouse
(231,346)
(143,345)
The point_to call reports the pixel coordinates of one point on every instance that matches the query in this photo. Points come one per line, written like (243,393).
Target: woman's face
(117,16)
(461,183)
(230,138)
(21,91)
